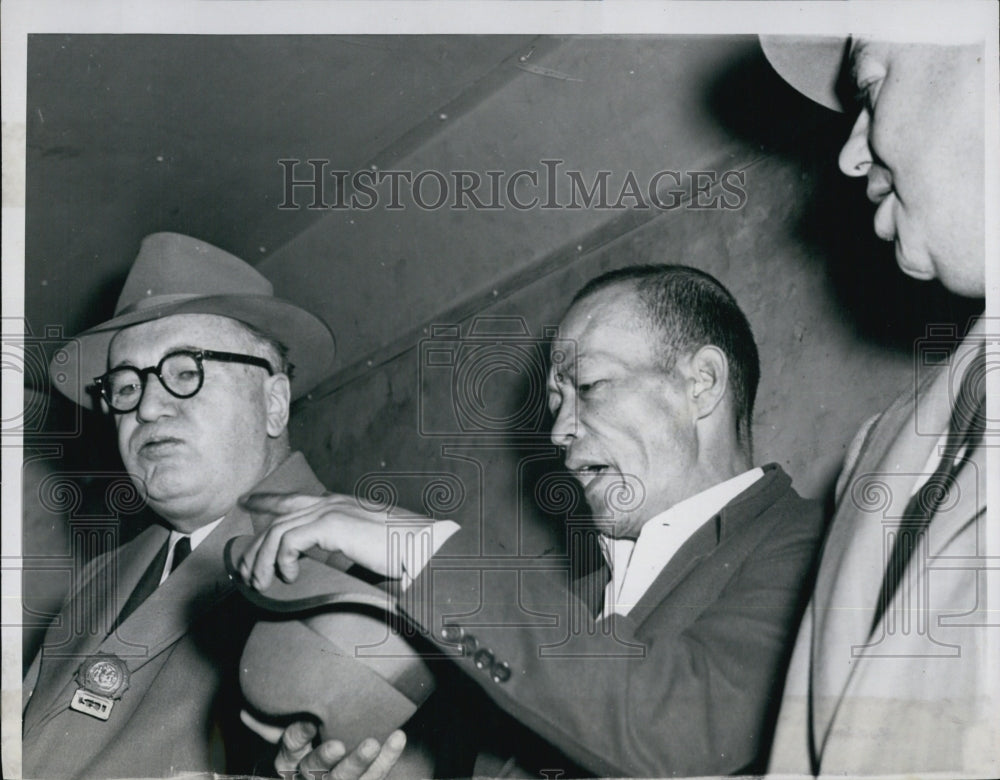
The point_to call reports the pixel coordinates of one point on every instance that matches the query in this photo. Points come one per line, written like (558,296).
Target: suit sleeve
(689,692)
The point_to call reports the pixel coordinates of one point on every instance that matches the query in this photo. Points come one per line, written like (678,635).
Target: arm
(698,702)
(697,698)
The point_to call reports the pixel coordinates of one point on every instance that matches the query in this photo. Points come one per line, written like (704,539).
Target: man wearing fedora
(894,669)
(139,675)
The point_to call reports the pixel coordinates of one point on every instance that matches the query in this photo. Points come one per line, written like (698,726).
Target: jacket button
(484,659)
(501,672)
(452,634)
(469,644)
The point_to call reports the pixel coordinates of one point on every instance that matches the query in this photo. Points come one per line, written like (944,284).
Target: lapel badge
(103,679)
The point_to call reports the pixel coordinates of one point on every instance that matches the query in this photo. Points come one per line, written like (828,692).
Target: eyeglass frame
(198,355)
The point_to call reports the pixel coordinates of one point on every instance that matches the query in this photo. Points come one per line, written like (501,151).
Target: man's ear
(278,394)
(708,372)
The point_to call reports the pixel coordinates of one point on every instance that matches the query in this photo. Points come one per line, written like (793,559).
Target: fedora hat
(325,647)
(811,64)
(176,274)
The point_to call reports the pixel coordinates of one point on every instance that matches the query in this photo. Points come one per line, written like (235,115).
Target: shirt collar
(197,536)
(684,517)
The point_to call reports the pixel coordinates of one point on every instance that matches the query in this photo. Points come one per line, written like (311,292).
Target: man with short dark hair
(689,309)
(139,677)
(668,660)
(894,670)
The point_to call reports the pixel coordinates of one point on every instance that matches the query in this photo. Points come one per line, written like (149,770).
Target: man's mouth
(885,219)
(588,473)
(159,446)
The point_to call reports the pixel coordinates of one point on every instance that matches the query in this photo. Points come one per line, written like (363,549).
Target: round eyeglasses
(181,373)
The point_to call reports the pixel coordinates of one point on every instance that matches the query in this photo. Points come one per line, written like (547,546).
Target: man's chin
(911,269)
(172,501)
(912,259)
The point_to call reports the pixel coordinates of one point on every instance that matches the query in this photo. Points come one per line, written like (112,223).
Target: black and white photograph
(500,389)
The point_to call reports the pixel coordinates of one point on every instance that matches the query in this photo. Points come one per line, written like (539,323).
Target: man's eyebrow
(600,354)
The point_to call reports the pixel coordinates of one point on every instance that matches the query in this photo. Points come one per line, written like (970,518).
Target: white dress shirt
(635,563)
(197,537)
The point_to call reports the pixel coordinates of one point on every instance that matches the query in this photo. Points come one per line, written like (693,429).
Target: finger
(322,759)
(387,757)
(304,536)
(357,762)
(258,559)
(253,564)
(257,564)
(277,503)
(296,740)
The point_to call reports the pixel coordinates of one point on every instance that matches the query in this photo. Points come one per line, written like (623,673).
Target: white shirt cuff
(415,546)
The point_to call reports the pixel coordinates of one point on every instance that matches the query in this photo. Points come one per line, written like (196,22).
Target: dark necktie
(146,585)
(181,551)
(150,580)
(965,429)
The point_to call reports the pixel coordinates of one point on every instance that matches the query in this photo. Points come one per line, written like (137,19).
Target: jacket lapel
(202,582)
(855,554)
(182,599)
(85,619)
(701,543)
(707,538)
(589,589)
(167,614)
(970,493)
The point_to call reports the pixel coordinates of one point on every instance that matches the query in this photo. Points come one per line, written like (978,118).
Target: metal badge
(104,678)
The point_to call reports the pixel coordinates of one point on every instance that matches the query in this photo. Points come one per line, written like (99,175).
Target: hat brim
(810,64)
(317,586)
(329,653)
(310,343)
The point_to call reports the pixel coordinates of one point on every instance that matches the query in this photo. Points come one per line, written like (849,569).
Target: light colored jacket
(181,645)
(920,694)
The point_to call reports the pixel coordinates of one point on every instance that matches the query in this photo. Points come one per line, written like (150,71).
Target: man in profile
(894,670)
(683,644)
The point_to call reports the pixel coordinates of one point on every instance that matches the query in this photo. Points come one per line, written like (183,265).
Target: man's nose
(564,427)
(155,400)
(856,156)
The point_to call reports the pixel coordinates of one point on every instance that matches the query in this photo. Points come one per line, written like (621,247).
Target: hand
(297,759)
(368,761)
(331,522)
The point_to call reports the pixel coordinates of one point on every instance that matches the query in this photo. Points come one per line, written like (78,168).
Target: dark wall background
(835,327)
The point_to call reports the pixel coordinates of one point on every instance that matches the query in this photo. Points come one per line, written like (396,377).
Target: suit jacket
(919,693)
(683,684)
(181,646)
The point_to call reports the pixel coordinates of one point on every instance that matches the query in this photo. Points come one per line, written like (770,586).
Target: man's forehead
(609,323)
(617,305)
